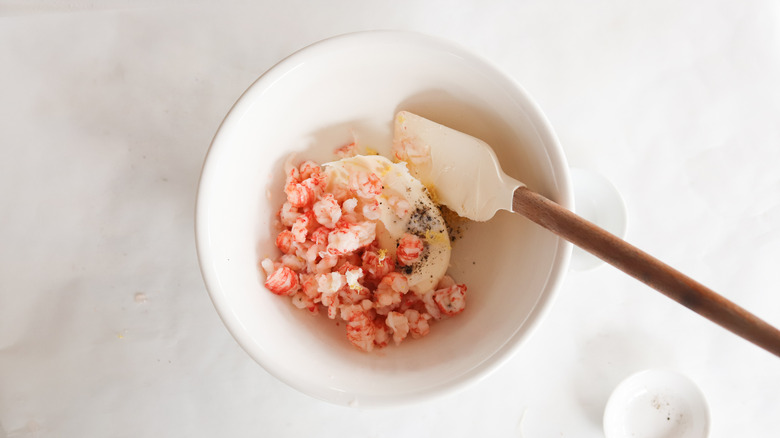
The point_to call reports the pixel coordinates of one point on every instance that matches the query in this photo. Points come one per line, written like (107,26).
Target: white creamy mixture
(423,219)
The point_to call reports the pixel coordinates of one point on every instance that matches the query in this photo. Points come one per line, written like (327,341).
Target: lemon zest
(436,237)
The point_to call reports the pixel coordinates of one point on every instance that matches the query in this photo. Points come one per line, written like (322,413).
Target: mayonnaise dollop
(421,217)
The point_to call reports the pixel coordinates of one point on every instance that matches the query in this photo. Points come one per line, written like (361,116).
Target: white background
(107,110)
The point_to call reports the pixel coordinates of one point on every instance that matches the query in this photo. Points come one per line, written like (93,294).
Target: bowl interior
(317,100)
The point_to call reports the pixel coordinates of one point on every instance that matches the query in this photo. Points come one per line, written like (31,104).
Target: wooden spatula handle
(646,268)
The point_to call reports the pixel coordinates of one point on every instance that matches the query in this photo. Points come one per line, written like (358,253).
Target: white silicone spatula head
(461,171)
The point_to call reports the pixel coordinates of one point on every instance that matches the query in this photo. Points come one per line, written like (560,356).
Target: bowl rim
(277,71)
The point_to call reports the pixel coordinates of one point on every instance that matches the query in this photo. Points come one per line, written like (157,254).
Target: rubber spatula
(488,189)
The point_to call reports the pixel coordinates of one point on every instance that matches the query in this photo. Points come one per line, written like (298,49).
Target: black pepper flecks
(454,223)
(422,219)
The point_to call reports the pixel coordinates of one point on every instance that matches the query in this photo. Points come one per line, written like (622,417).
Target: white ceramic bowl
(314,101)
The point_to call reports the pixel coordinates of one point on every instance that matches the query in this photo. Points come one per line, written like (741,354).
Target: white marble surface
(107,110)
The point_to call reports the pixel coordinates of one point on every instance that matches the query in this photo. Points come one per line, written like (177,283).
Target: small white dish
(657,404)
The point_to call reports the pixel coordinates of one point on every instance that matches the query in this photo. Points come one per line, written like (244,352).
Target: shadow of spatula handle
(645,268)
